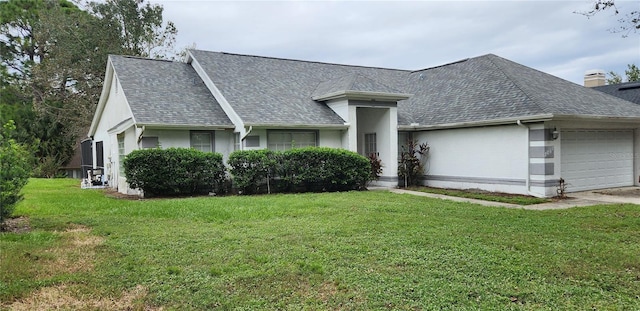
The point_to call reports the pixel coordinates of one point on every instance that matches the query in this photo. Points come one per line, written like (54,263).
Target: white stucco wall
(330,138)
(382,122)
(115,112)
(636,156)
(491,158)
(130,144)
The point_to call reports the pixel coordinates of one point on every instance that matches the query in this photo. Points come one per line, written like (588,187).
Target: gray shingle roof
(352,83)
(272,91)
(492,88)
(168,93)
(267,90)
(628,91)
(558,96)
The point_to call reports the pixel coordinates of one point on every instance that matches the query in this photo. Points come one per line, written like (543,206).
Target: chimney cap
(594,72)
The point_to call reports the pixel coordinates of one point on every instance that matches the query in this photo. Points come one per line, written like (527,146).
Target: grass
(484,195)
(346,251)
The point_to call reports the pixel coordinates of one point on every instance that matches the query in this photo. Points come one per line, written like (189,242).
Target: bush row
(299,170)
(181,171)
(174,171)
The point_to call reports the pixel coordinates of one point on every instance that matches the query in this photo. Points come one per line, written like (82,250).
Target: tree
(53,62)
(632,74)
(15,168)
(629,23)
(140,26)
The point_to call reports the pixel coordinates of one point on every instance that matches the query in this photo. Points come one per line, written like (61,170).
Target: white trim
(122,126)
(363,95)
(506,121)
(106,86)
(160,126)
(222,101)
(527,119)
(299,126)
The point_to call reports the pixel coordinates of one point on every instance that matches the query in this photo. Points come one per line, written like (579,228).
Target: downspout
(528,179)
(245,136)
(140,135)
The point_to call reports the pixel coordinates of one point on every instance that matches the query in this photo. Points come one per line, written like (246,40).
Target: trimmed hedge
(175,171)
(252,169)
(309,169)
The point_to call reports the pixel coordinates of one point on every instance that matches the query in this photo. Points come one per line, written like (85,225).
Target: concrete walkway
(574,199)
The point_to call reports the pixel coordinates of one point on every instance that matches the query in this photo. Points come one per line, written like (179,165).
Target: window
(236,141)
(121,154)
(202,141)
(252,141)
(370,144)
(99,154)
(285,140)
(149,142)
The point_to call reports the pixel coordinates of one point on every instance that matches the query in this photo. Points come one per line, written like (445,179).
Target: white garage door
(596,159)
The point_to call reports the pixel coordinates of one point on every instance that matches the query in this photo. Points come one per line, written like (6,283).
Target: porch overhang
(363,95)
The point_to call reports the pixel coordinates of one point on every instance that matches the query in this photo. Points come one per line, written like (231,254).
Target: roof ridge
(145,58)
(517,85)
(443,65)
(353,77)
(307,61)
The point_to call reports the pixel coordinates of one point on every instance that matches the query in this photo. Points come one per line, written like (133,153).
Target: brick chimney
(594,77)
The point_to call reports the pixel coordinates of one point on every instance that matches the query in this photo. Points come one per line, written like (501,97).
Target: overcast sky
(545,35)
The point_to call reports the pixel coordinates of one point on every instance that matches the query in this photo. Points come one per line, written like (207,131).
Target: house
(628,91)
(491,123)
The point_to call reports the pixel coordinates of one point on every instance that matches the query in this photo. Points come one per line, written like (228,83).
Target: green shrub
(299,170)
(253,169)
(174,171)
(15,168)
(325,169)
(411,163)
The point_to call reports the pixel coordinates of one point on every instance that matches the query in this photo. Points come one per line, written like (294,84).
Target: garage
(596,159)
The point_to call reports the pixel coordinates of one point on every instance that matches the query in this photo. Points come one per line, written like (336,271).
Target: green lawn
(327,251)
(484,195)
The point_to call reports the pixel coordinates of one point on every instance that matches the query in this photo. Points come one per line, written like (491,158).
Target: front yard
(347,251)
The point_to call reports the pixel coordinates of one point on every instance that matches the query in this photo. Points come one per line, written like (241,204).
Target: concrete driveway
(574,199)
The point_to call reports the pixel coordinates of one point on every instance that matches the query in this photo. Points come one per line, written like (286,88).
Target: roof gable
(356,86)
(167,93)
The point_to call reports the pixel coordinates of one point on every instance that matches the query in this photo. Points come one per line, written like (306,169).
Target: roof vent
(594,77)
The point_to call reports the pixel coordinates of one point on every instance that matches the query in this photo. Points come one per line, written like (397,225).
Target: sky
(545,35)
